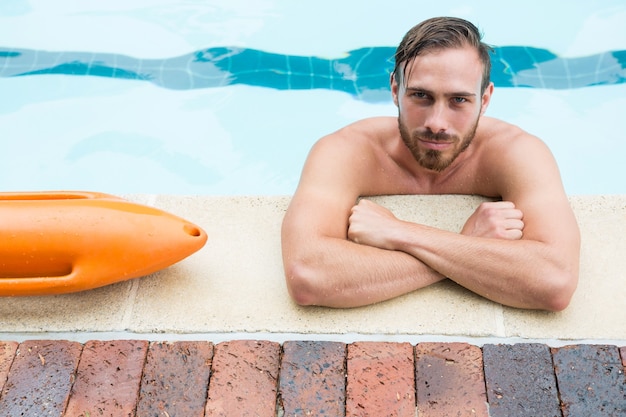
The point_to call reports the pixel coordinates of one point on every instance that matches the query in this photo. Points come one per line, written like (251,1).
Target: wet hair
(441,33)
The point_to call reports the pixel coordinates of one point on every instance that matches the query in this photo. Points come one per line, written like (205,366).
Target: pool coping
(234,286)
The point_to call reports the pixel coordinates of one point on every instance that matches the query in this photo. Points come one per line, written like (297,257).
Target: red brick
(520,381)
(175,379)
(380,380)
(108,379)
(40,378)
(244,379)
(622,352)
(312,379)
(591,380)
(450,380)
(7,353)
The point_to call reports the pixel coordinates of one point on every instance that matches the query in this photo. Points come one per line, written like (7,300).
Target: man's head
(441,33)
(441,87)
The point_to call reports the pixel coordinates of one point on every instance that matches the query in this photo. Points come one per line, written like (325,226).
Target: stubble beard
(432,159)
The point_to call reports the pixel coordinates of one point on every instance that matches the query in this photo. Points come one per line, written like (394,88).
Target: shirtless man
(521,250)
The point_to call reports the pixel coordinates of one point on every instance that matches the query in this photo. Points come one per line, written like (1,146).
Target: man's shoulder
(372,127)
(499,136)
(510,155)
(353,157)
(362,134)
(500,147)
(496,128)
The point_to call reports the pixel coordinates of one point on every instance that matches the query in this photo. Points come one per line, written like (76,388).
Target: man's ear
(394,88)
(486,98)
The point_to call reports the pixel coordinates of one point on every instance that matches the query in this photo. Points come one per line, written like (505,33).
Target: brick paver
(40,378)
(251,378)
(450,380)
(520,381)
(108,378)
(380,379)
(7,353)
(312,379)
(175,379)
(244,379)
(591,380)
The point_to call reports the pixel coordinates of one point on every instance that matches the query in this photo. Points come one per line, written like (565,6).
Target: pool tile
(108,378)
(450,380)
(380,379)
(244,379)
(312,378)
(520,381)
(591,380)
(175,379)
(40,378)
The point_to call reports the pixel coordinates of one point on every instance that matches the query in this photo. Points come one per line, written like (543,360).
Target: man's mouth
(436,145)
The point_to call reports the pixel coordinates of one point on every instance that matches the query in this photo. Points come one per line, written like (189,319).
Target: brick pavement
(309,378)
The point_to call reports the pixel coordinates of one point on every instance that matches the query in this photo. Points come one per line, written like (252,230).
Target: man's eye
(419,94)
(459,100)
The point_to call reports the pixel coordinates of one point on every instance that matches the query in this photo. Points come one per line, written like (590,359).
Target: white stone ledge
(235,284)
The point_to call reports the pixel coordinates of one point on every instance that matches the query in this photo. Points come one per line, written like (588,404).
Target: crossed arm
(489,257)
(324,268)
(522,252)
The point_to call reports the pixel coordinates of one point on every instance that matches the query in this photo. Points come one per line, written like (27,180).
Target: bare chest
(466,178)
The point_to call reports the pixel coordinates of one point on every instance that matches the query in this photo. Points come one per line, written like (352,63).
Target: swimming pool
(226,98)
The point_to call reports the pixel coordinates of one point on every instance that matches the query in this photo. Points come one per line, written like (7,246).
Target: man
(521,251)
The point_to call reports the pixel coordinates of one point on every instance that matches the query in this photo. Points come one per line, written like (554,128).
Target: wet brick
(175,380)
(7,353)
(449,379)
(40,378)
(244,379)
(312,379)
(591,380)
(380,379)
(520,381)
(108,379)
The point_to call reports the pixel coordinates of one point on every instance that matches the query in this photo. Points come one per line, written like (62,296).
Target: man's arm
(538,271)
(322,266)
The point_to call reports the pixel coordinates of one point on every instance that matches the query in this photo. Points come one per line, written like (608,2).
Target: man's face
(439,105)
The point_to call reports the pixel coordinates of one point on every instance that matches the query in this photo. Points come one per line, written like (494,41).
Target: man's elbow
(301,283)
(560,292)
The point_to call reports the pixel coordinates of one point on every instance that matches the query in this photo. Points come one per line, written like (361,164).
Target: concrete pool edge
(281,338)
(235,285)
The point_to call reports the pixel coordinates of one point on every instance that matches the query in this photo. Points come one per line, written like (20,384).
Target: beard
(432,159)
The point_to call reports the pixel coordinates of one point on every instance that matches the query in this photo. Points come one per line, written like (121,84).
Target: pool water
(226,98)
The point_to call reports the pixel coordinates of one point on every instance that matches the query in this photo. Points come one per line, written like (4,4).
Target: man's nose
(436,119)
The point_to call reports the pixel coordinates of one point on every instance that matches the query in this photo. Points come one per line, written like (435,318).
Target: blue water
(363,73)
(214,97)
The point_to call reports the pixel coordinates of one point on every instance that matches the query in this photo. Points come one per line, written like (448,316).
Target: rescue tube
(63,242)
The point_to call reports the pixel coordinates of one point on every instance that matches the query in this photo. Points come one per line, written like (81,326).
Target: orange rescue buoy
(62,242)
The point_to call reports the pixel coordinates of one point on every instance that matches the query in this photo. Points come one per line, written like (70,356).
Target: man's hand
(498,219)
(371,224)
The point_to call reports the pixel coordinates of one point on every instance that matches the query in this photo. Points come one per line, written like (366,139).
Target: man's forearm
(338,273)
(518,273)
